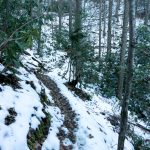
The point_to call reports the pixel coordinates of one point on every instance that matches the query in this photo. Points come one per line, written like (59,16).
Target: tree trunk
(100,22)
(70,18)
(5,18)
(117,9)
(70,34)
(136,7)
(147,7)
(123,49)
(104,17)
(77,31)
(30,8)
(109,37)
(39,28)
(60,15)
(128,86)
(78,15)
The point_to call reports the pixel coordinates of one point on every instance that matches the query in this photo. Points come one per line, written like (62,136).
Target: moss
(37,137)
(40,134)
(44,98)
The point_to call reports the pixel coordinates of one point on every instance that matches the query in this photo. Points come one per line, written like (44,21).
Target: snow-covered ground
(94,130)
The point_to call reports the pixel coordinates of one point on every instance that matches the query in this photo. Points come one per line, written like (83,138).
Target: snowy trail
(83,131)
(85,134)
(76,124)
(92,132)
(69,123)
(83,127)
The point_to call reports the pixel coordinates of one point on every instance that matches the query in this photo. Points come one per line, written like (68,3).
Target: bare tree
(128,86)
(123,49)
(100,22)
(77,31)
(109,37)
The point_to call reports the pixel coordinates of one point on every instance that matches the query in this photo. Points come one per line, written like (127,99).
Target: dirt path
(63,104)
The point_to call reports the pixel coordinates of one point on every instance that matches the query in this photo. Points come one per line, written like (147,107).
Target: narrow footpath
(69,115)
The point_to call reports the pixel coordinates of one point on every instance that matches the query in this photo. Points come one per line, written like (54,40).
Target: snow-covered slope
(63,120)
(22,110)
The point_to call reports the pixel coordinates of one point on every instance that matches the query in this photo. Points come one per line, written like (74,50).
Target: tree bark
(39,28)
(5,18)
(77,31)
(70,18)
(109,37)
(117,9)
(104,17)
(147,7)
(100,22)
(128,86)
(123,49)
(60,15)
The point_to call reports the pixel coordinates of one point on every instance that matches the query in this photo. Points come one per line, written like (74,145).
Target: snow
(94,131)
(52,141)
(24,101)
(1,67)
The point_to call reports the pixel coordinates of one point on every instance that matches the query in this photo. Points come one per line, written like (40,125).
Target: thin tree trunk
(39,28)
(117,9)
(84,6)
(5,18)
(109,37)
(70,18)
(104,17)
(70,34)
(147,7)
(136,7)
(100,22)
(30,9)
(30,14)
(128,86)
(123,49)
(78,26)
(60,15)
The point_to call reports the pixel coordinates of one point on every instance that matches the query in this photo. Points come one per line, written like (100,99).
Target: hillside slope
(39,112)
